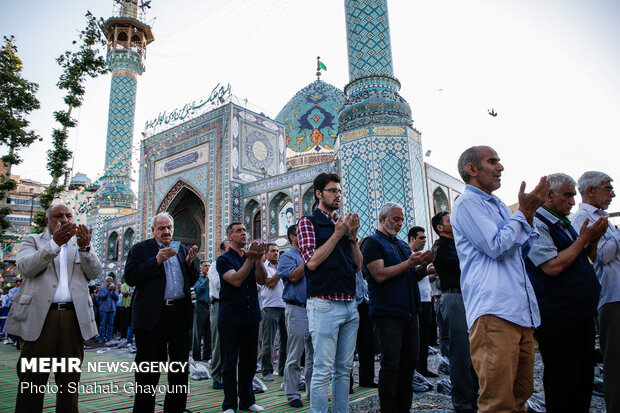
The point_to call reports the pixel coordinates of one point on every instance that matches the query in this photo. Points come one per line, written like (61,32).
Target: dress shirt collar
(481,193)
(548,214)
(592,209)
(329,216)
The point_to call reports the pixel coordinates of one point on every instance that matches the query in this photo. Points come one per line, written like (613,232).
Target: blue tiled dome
(79,179)
(310,120)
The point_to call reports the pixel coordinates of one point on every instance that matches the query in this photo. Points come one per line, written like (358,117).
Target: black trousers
(238,342)
(567,350)
(365,346)
(426,324)
(169,339)
(398,338)
(125,320)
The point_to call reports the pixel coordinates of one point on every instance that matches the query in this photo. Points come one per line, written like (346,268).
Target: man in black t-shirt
(452,310)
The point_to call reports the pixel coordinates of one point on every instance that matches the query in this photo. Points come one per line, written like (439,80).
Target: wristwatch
(85,249)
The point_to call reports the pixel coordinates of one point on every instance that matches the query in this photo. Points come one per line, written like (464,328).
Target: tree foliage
(17,100)
(77,67)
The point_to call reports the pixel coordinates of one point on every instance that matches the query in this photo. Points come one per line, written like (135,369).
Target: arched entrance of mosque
(189,213)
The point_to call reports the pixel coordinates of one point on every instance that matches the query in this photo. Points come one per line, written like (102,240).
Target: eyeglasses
(608,189)
(333,190)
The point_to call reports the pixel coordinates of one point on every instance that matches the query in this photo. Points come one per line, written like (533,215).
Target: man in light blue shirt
(291,270)
(499,300)
(597,193)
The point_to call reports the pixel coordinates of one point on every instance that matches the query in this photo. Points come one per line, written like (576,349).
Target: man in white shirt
(216,351)
(273,315)
(596,193)
(52,311)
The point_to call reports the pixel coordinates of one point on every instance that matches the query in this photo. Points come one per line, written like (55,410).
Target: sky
(549,68)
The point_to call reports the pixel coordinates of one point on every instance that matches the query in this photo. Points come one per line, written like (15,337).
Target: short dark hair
(230,226)
(321,181)
(290,209)
(438,220)
(413,232)
(292,230)
(269,245)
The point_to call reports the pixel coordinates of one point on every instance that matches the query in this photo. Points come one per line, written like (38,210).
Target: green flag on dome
(322,66)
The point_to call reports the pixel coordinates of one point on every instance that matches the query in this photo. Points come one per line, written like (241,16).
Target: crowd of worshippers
(494,283)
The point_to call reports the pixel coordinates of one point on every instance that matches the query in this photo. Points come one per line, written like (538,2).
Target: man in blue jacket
(394,305)
(107,299)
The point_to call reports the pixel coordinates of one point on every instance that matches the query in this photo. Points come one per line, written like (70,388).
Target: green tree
(17,100)
(78,66)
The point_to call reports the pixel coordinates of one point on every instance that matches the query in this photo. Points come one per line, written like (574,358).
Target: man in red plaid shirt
(328,245)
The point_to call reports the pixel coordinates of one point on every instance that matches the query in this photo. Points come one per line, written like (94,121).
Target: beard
(390,229)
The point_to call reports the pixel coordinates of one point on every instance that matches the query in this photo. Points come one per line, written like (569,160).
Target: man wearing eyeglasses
(328,245)
(597,193)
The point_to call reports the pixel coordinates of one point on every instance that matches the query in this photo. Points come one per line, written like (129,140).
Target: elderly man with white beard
(394,303)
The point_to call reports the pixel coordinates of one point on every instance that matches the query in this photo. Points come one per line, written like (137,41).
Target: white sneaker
(256,408)
(267,377)
(229,411)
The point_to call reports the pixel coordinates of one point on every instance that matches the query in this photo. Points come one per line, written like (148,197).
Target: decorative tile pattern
(288,179)
(376,170)
(310,118)
(357,192)
(307,200)
(257,146)
(368,38)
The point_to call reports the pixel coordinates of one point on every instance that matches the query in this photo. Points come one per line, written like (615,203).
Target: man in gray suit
(52,312)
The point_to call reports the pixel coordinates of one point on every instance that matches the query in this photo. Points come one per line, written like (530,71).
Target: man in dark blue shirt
(394,304)
(240,270)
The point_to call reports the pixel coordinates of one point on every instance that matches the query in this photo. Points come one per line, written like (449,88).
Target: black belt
(214,300)
(452,290)
(296,303)
(170,303)
(62,306)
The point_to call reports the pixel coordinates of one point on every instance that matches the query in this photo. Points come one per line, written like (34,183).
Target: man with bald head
(52,311)
(500,304)
(596,194)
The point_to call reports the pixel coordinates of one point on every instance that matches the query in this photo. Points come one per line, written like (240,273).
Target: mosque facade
(231,163)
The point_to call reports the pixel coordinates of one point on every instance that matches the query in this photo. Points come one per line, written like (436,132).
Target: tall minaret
(127,39)
(380,151)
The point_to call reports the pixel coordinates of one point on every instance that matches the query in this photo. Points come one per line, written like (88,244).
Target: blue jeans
(107,323)
(333,327)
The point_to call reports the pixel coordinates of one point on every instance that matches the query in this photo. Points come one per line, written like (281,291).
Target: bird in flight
(492,112)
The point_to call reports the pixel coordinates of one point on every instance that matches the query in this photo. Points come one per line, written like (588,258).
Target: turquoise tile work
(368,38)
